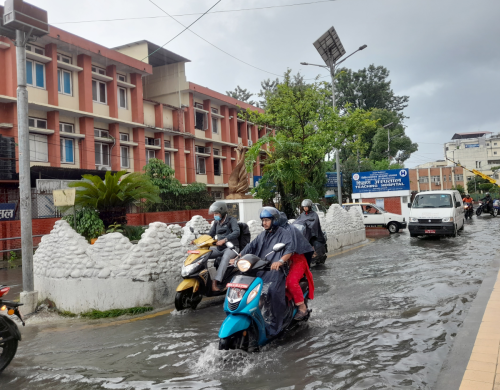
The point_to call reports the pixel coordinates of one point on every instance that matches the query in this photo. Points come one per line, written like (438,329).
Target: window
(35,49)
(122,97)
(149,155)
(216,152)
(215,124)
(201,120)
(478,164)
(37,123)
(494,152)
(101,133)
(167,158)
(217,194)
(122,78)
(63,58)
(486,145)
(35,74)
(167,144)
(101,154)
(124,137)
(202,149)
(459,177)
(200,166)
(217,170)
(423,179)
(96,69)
(435,179)
(494,144)
(428,201)
(198,105)
(153,141)
(444,177)
(67,151)
(469,178)
(38,148)
(66,128)
(64,81)
(124,151)
(99,91)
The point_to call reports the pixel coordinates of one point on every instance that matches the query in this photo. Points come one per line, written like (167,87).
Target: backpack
(245,235)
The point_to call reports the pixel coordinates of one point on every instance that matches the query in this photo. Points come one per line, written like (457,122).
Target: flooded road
(385,316)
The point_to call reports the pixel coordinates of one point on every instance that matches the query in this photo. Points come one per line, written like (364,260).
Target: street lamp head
(304,63)
(363,47)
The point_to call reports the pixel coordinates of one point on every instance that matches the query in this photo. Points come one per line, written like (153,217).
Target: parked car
(376,216)
(436,213)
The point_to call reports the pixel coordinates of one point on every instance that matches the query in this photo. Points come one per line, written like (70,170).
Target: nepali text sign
(331,179)
(381,181)
(7,211)
(471,146)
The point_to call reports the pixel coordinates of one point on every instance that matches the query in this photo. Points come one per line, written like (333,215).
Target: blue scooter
(244,327)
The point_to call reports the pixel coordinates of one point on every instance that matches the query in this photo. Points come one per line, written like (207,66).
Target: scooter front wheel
(7,352)
(186,299)
(225,344)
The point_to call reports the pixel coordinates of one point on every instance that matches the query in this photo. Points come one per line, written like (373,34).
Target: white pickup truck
(375,216)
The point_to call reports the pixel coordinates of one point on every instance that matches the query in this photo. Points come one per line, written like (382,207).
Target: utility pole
(388,141)
(337,157)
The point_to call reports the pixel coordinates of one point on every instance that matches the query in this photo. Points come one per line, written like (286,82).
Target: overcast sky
(444,54)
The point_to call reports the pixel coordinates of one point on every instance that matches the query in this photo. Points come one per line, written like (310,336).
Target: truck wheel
(495,212)
(455,232)
(393,227)
(413,235)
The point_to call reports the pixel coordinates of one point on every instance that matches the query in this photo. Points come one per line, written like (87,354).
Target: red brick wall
(391,205)
(13,229)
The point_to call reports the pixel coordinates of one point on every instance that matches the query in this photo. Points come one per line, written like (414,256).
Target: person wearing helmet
(310,219)
(274,280)
(488,200)
(468,199)
(299,266)
(226,229)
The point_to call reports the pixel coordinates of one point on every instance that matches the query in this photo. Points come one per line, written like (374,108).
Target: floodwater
(385,316)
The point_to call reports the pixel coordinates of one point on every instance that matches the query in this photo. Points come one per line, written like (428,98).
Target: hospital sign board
(381,181)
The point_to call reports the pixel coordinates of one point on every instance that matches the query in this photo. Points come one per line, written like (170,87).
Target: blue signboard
(471,146)
(256,180)
(331,179)
(7,211)
(381,181)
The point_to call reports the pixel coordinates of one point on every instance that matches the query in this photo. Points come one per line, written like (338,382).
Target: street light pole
(331,66)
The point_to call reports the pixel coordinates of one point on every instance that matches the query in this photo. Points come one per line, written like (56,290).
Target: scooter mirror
(278,247)
(230,245)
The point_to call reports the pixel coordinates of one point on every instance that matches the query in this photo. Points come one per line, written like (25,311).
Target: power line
(185,28)
(218,48)
(194,14)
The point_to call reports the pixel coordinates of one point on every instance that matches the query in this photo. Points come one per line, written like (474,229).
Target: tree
(241,94)
(307,130)
(366,89)
(473,185)
(111,196)
(267,87)
(460,188)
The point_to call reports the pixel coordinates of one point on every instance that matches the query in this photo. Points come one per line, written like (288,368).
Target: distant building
(436,175)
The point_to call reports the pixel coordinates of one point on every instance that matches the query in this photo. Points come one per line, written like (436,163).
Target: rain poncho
(313,225)
(273,291)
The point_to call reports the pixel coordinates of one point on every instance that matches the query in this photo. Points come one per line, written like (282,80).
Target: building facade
(436,176)
(94,109)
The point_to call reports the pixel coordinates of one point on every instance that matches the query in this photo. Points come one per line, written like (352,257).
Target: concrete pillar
(85,85)
(114,131)
(160,154)
(190,161)
(51,75)
(224,122)
(418,180)
(159,116)
(189,116)
(441,176)
(87,147)
(140,150)
(233,126)
(210,164)
(208,132)
(54,140)
(226,163)
(178,120)
(136,104)
(180,159)
(112,87)
(8,70)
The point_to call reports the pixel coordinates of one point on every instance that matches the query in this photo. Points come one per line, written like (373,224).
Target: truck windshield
(432,201)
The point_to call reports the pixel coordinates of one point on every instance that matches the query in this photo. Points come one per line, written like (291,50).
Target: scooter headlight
(189,269)
(448,219)
(244,265)
(253,294)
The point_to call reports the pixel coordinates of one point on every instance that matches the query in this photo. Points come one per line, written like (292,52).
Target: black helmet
(487,194)
(283,219)
(218,207)
(271,213)
(307,203)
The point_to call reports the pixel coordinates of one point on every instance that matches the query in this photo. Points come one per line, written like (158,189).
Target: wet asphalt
(385,316)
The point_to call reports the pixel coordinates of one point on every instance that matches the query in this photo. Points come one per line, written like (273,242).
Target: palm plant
(111,196)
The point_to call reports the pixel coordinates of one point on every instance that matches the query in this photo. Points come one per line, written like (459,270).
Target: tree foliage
(307,129)
(366,89)
(241,94)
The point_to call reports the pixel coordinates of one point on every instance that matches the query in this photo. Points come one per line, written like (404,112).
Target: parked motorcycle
(9,332)
(483,208)
(244,327)
(468,210)
(198,272)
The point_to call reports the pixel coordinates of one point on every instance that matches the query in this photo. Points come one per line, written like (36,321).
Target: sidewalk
(14,279)
(483,369)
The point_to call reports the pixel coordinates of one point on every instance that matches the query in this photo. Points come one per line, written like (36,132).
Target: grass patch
(96,314)
(65,313)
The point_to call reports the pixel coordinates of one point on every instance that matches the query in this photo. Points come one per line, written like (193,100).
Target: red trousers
(298,269)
